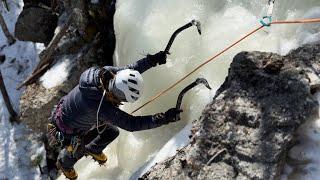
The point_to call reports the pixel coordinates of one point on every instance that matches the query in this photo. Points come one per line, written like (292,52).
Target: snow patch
(57,74)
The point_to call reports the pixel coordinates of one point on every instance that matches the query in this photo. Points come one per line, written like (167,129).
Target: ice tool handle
(189,87)
(173,36)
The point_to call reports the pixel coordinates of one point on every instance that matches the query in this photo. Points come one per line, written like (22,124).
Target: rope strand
(316,20)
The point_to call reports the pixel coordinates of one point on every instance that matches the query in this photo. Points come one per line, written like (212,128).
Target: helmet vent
(133,81)
(132,75)
(135,98)
(125,82)
(134,90)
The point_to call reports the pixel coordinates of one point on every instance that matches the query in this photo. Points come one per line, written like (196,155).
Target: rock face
(36,2)
(86,46)
(37,102)
(246,131)
(36,24)
(88,41)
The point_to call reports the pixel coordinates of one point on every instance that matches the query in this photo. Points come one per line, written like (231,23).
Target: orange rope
(317,20)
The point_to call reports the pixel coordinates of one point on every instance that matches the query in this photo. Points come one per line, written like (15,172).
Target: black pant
(92,141)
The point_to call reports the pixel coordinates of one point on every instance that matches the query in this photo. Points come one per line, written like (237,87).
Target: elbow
(131,130)
(133,126)
(129,126)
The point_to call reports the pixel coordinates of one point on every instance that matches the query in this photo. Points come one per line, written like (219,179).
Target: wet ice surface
(304,157)
(145,26)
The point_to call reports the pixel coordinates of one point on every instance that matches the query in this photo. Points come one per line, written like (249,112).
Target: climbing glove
(167,117)
(160,58)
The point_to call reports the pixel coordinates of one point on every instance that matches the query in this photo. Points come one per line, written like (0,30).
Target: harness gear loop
(60,138)
(266,21)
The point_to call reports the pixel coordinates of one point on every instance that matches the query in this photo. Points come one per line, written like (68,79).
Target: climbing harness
(302,21)
(186,89)
(52,135)
(267,20)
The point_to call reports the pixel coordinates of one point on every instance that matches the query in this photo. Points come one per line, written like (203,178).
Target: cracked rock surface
(248,128)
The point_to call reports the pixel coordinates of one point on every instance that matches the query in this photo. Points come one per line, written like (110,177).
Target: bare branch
(13,114)
(5,30)
(5,4)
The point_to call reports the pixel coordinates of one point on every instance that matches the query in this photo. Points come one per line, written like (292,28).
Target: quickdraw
(55,137)
(267,20)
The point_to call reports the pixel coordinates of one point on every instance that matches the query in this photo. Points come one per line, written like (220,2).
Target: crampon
(101,158)
(69,173)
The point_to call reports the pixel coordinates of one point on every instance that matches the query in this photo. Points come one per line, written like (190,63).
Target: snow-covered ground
(18,149)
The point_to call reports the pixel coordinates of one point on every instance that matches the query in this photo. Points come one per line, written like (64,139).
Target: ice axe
(186,89)
(173,36)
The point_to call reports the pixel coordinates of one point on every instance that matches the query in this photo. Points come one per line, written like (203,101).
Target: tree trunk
(5,4)
(6,100)
(5,30)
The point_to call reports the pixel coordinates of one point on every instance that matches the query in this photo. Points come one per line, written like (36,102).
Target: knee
(116,132)
(111,132)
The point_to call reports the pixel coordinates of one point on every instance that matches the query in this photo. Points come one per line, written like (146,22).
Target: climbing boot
(101,158)
(69,173)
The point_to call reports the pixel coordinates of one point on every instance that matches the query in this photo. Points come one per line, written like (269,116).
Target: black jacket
(80,106)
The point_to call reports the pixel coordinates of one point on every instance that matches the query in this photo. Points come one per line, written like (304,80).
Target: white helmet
(127,85)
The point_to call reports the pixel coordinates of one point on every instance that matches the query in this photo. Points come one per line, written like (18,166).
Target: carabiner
(266,21)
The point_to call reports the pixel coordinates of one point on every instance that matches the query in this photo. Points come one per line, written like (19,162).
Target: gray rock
(87,43)
(83,51)
(248,128)
(37,2)
(37,102)
(36,24)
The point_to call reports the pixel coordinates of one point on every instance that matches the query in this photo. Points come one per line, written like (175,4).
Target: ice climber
(85,121)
